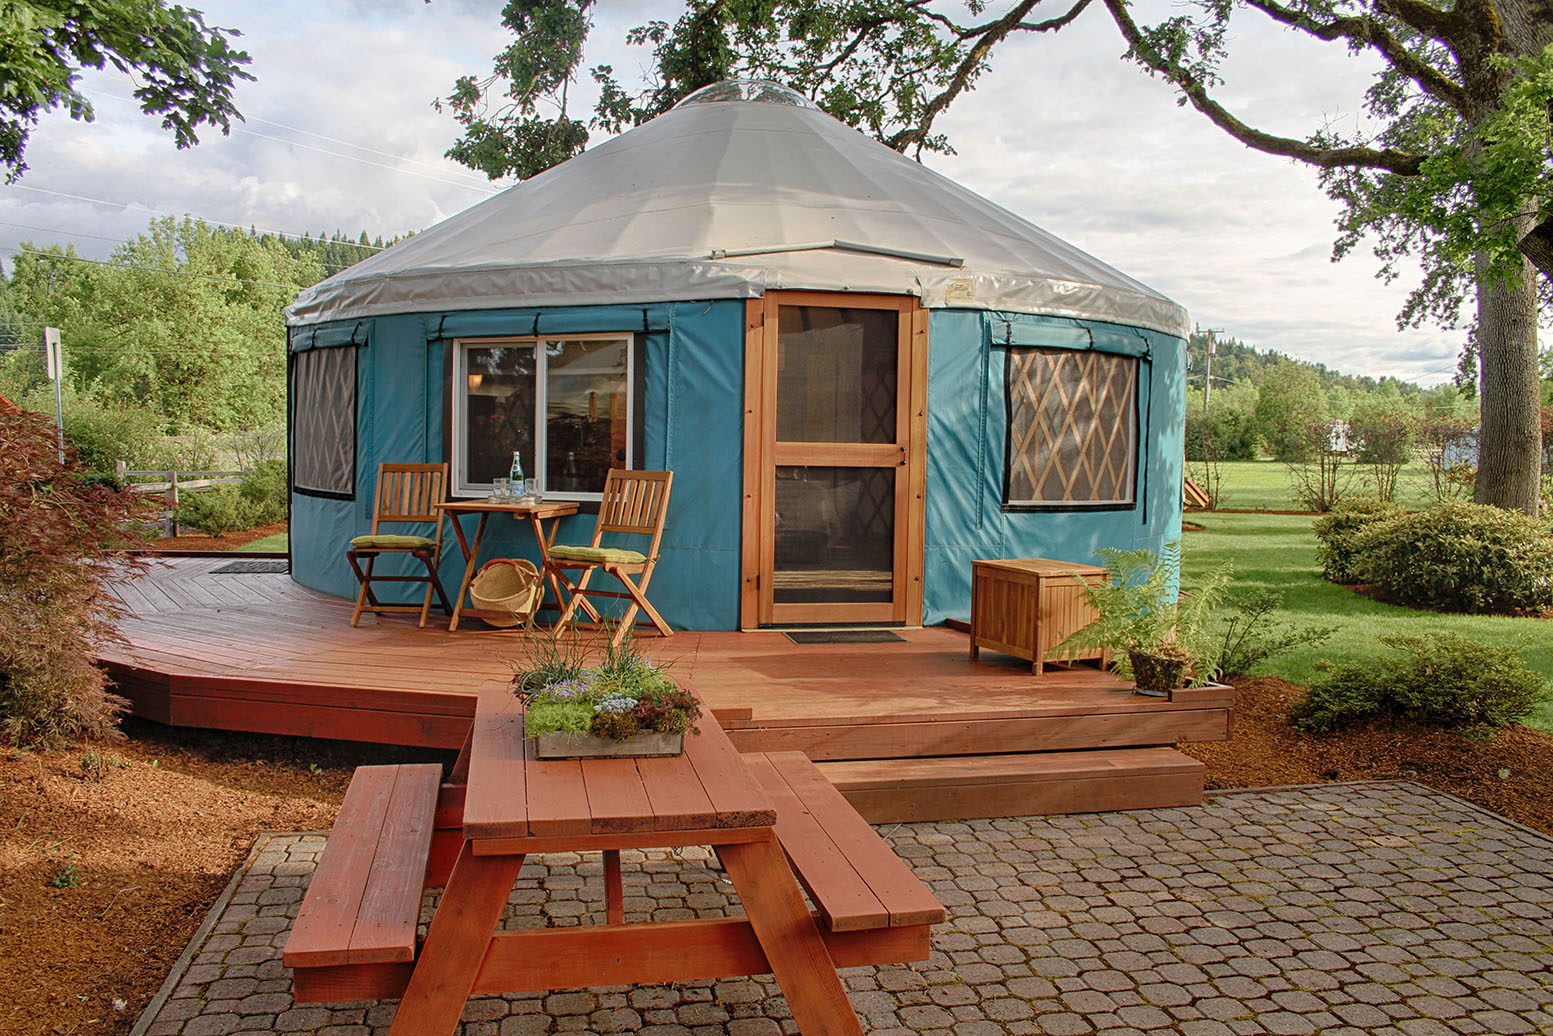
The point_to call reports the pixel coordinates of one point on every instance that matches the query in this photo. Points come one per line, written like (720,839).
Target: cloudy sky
(340,134)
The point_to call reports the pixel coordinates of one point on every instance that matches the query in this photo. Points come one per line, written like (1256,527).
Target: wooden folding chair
(405,494)
(635,503)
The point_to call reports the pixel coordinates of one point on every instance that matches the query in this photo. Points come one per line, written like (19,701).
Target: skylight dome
(760,91)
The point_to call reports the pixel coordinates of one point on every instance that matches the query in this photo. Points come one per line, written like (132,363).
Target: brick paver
(1352,909)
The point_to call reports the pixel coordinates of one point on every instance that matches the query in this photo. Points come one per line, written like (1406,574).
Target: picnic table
(772,819)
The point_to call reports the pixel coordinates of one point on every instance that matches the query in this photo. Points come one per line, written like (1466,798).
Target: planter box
(562,745)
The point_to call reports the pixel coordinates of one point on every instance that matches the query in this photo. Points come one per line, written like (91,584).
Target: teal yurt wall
(692,366)
(967,446)
(692,421)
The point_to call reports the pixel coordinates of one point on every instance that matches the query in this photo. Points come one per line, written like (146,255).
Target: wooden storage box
(1024,607)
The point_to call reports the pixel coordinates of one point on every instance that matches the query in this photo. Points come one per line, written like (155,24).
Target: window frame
(1054,506)
(458,403)
(352,424)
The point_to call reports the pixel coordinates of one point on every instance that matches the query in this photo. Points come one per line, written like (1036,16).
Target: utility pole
(1207,381)
(54,365)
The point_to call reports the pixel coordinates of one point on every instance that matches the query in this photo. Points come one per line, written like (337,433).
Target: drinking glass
(501,489)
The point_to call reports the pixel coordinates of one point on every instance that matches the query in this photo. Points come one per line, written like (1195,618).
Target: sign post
(54,364)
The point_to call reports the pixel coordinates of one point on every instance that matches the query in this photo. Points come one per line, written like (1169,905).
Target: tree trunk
(1510,443)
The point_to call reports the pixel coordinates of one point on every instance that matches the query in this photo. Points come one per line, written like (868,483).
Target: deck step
(964,787)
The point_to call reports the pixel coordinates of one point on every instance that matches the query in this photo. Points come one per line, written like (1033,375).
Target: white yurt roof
(742,187)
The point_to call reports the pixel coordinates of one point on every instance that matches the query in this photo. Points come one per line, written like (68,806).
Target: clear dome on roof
(762,91)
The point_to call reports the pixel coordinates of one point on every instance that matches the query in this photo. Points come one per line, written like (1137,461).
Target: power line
(56,230)
(368,161)
(149,269)
(125,241)
(175,215)
(334,140)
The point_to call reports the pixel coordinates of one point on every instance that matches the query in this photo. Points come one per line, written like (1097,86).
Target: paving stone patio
(1382,908)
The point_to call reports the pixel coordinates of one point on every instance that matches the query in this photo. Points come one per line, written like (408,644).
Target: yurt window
(565,404)
(323,393)
(1072,428)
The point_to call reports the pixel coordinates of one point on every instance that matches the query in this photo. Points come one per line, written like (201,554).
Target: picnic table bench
(769,817)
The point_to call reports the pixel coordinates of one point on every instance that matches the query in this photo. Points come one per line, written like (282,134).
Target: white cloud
(1060,131)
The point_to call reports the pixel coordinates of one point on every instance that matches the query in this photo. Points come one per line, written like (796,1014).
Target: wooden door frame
(757,527)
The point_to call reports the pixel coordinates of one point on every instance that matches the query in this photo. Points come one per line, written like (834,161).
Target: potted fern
(1155,633)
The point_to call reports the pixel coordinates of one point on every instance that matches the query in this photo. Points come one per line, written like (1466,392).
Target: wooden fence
(170,482)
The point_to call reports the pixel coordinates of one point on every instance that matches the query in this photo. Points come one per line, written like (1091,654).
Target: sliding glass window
(564,403)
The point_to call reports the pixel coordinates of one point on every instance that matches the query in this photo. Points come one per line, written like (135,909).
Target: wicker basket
(507,585)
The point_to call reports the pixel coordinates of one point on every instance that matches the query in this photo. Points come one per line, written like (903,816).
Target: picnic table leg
(802,965)
(456,943)
(614,889)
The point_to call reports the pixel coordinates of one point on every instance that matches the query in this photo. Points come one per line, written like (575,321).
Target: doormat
(845,637)
(252,568)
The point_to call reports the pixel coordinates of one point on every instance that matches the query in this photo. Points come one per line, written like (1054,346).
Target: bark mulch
(193,540)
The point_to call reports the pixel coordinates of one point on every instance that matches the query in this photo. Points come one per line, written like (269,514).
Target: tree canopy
(186,71)
(1451,167)
(184,320)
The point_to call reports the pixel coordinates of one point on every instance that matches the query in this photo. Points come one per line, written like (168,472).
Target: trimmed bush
(1335,532)
(1458,557)
(267,489)
(1446,680)
(104,435)
(218,511)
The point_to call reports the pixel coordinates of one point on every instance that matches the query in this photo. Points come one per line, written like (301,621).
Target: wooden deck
(261,653)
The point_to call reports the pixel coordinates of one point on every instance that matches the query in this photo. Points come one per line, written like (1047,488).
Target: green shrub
(1220,434)
(1459,557)
(61,545)
(1253,632)
(1446,681)
(1335,532)
(218,511)
(267,489)
(104,435)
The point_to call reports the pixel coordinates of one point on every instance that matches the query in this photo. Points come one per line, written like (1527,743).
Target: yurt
(863,375)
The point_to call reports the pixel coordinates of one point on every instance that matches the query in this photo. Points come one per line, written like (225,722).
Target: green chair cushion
(388,542)
(598,555)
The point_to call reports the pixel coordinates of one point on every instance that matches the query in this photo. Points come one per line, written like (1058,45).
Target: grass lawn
(275,542)
(1263,485)
(1279,552)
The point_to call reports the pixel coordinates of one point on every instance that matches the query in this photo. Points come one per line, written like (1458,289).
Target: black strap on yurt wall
(327,336)
(532,323)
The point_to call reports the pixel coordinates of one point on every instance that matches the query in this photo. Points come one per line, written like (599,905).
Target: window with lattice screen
(1072,428)
(323,408)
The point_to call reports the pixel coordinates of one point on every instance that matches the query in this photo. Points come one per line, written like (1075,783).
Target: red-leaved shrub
(62,540)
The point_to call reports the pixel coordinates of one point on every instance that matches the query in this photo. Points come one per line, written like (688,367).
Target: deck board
(261,652)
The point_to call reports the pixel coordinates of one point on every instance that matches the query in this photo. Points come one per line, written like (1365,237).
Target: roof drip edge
(610,283)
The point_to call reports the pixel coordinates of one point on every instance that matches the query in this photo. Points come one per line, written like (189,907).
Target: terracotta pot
(1157,675)
(563,745)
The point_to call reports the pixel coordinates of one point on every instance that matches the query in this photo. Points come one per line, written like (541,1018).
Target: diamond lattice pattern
(324,438)
(1073,426)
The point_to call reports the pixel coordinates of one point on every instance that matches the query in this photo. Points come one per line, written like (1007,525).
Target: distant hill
(1237,361)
